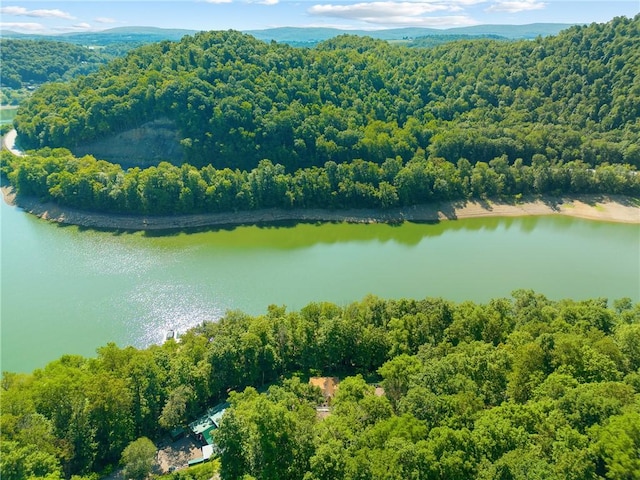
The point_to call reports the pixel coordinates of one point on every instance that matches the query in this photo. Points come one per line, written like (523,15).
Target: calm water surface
(69,290)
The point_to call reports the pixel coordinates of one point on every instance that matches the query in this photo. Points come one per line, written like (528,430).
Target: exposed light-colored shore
(9,142)
(610,209)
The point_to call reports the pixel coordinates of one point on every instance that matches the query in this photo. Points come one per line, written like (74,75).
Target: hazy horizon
(56,17)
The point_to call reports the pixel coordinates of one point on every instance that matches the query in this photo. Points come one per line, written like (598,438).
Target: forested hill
(29,59)
(352,123)
(32,62)
(236,100)
(517,388)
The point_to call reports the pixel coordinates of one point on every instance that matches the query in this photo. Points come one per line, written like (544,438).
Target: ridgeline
(352,123)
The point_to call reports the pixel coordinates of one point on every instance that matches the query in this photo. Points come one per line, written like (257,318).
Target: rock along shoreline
(593,207)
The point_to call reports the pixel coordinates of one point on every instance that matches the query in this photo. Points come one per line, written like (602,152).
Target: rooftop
(208,422)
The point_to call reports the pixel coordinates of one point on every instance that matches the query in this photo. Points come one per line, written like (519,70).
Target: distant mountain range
(297,35)
(107,37)
(294,34)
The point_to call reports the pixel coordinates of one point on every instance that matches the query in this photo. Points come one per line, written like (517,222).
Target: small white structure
(207,451)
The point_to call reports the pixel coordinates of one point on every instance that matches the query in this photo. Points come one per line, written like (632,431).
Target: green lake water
(69,290)
(7,114)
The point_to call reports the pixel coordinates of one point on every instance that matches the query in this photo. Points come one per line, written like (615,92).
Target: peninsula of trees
(353,122)
(517,388)
(33,62)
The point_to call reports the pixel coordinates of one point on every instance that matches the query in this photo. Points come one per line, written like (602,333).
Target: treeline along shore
(592,207)
(55,184)
(520,387)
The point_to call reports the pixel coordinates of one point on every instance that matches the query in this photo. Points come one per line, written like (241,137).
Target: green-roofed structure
(204,426)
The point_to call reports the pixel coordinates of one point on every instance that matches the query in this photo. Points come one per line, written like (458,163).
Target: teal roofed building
(204,426)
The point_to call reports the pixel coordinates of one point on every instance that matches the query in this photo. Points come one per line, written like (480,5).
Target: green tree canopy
(138,458)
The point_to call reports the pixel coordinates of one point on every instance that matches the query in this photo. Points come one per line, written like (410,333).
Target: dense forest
(30,60)
(33,62)
(354,122)
(33,59)
(236,100)
(516,388)
(56,175)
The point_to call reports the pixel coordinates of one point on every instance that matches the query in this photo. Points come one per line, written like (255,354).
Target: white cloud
(50,14)
(434,22)
(258,2)
(78,27)
(13,10)
(375,9)
(338,26)
(22,26)
(104,20)
(516,6)
(41,13)
(468,2)
(392,13)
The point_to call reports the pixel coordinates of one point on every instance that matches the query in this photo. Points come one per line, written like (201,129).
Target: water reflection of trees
(293,235)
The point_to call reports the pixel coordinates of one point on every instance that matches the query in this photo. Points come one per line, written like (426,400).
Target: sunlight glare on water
(167,306)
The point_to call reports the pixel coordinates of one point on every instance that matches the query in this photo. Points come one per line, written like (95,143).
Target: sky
(51,16)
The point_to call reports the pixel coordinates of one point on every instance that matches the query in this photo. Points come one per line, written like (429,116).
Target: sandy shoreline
(610,209)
